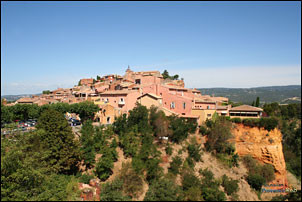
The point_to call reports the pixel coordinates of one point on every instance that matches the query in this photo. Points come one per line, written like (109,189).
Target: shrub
(268,123)
(268,172)
(236,120)
(112,191)
(85,178)
(103,168)
(175,165)
(132,182)
(218,136)
(162,190)
(230,186)
(256,181)
(169,150)
(194,151)
(203,130)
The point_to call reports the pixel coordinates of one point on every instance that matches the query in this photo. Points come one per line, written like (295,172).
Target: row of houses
(116,95)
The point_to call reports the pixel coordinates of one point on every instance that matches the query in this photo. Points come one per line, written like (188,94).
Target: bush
(268,123)
(219,135)
(169,150)
(230,186)
(180,128)
(162,190)
(194,151)
(85,178)
(112,191)
(103,168)
(236,120)
(202,130)
(175,165)
(268,172)
(132,182)
(256,181)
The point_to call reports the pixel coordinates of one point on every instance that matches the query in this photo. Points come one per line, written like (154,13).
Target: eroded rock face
(264,146)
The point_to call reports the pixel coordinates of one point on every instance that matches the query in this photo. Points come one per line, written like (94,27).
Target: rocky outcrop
(263,145)
(91,191)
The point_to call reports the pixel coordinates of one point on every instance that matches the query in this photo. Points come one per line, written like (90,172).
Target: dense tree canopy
(57,138)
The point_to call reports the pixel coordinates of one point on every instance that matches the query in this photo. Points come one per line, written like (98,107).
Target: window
(160,101)
(172,105)
(209,115)
(108,120)
(137,81)
(184,105)
(208,107)
(122,99)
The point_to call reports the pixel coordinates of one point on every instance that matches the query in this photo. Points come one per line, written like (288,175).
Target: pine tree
(257,102)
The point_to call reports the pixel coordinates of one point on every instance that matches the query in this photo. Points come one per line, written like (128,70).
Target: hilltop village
(116,95)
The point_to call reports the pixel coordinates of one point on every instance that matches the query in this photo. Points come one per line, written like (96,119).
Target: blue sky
(45,45)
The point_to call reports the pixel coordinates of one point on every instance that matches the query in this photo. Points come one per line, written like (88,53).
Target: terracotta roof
(222,107)
(194,90)
(246,108)
(116,92)
(26,99)
(174,87)
(151,94)
(205,100)
(189,116)
(126,84)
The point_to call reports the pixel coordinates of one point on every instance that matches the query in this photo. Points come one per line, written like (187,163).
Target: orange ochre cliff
(265,146)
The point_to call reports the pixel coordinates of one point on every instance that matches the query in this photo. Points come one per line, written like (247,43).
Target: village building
(245,111)
(116,95)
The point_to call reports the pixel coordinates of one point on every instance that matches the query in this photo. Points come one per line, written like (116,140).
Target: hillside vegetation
(280,94)
(131,158)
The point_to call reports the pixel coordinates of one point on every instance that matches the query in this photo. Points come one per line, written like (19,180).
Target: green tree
(6,114)
(163,190)
(87,143)
(104,168)
(165,74)
(112,191)
(180,128)
(175,165)
(46,92)
(98,78)
(257,104)
(86,110)
(218,137)
(139,116)
(256,181)
(230,186)
(62,150)
(194,151)
(132,182)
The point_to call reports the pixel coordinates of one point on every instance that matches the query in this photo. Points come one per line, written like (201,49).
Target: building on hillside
(107,114)
(245,111)
(87,82)
(26,100)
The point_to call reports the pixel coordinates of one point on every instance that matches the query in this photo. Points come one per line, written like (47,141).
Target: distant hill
(16,97)
(281,94)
